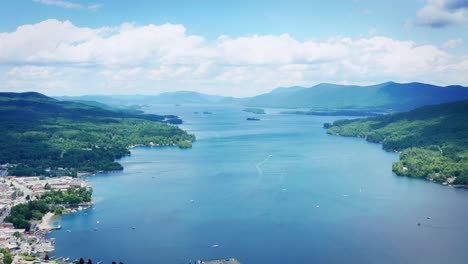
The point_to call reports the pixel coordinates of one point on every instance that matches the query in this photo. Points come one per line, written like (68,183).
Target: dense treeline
(433,140)
(7,256)
(52,201)
(333,113)
(41,135)
(21,214)
(68,198)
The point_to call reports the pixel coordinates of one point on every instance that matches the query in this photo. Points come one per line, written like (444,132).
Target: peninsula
(432,140)
(53,143)
(44,136)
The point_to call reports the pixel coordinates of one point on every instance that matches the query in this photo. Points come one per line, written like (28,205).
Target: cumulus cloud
(158,58)
(68,5)
(441,13)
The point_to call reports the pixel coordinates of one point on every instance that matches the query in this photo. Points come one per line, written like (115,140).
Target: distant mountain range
(387,97)
(179,97)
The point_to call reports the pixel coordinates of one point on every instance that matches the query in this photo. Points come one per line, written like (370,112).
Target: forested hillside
(40,135)
(433,140)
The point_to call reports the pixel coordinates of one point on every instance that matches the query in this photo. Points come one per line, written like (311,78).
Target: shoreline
(47,222)
(49,218)
(458,186)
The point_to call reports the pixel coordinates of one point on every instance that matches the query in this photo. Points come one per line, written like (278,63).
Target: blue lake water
(279,190)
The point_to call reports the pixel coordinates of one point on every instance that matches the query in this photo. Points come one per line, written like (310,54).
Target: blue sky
(228,47)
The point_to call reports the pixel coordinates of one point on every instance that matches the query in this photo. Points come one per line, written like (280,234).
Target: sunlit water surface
(279,190)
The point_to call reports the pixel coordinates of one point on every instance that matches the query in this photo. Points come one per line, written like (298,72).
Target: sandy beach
(47,222)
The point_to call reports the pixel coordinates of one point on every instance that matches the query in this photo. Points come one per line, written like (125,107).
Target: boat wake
(258,165)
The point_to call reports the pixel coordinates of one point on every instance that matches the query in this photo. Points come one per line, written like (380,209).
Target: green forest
(433,140)
(51,201)
(44,136)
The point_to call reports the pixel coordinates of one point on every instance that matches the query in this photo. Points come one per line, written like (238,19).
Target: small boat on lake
(252,119)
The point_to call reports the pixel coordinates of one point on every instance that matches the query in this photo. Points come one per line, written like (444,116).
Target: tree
(82,261)
(7,257)
(89,261)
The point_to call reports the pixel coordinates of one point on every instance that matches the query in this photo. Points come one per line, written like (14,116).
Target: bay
(278,190)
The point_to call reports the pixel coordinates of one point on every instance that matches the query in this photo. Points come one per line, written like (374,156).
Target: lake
(279,190)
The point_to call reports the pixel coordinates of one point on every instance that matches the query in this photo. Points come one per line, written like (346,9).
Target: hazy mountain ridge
(386,97)
(178,97)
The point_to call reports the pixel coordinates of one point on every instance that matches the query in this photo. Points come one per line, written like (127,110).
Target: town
(21,246)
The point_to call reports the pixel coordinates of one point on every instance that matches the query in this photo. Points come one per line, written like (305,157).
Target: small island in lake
(257,111)
(252,119)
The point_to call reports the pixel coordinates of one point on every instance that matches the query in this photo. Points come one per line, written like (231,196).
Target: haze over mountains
(389,96)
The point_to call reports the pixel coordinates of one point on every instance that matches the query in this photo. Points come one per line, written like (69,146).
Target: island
(432,140)
(258,111)
(252,119)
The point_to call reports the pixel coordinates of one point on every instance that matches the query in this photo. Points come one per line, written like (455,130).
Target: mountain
(286,90)
(433,140)
(132,109)
(388,96)
(179,97)
(186,97)
(33,96)
(41,135)
(384,97)
(34,105)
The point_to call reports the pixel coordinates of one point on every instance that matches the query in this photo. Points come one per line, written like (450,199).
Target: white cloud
(441,13)
(94,7)
(68,4)
(452,43)
(156,58)
(59,3)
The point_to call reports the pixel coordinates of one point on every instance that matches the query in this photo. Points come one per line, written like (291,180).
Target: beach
(47,222)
